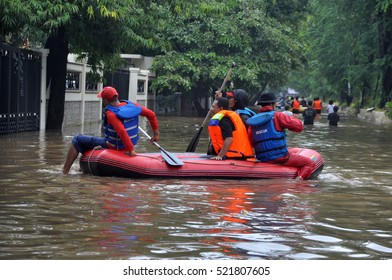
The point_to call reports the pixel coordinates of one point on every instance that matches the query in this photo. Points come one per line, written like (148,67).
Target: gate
(118,79)
(20,81)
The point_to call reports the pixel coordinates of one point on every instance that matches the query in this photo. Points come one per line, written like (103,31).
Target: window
(72,81)
(91,82)
(149,89)
(140,86)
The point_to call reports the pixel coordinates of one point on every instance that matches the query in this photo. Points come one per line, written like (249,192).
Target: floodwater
(345,214)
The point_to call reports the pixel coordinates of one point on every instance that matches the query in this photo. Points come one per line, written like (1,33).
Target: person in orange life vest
(317,105)
(270,145)
(295,105)
(120,126)
(228,133)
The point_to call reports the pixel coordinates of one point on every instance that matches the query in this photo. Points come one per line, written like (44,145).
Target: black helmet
(241,98)
(266,98)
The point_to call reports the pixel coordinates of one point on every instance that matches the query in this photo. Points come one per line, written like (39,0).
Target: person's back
(295,105)
(334,117)
(330,107)
(309,114)
(272,147)
(267,130)
(318,105)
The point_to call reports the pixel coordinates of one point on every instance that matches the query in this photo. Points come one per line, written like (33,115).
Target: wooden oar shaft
(195,140)
(208,116)
(227,77)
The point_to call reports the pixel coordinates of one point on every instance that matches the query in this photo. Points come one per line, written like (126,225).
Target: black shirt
(333,119)
(227,127)
(309,114)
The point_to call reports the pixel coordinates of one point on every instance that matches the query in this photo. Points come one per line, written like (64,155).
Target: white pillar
(133,77)
(83,94)
(44,91)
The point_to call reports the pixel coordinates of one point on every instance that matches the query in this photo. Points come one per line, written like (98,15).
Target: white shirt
(330,108)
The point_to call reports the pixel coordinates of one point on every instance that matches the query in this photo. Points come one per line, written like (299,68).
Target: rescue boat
(108,162)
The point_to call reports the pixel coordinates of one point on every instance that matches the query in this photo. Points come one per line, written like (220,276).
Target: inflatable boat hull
(107,162)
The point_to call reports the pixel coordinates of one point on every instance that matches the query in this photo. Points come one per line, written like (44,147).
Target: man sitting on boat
(269,137)
(120,121)
(228,133)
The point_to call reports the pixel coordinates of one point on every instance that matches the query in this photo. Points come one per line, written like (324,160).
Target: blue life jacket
(129,116)
(268,143)
(245,111)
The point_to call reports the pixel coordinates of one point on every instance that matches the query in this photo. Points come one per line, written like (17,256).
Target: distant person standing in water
(295,105)
(334,117)
(309,114)
(330,107)
(317,105)
(287,111)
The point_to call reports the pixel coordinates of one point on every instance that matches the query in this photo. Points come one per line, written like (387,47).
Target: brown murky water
(345,214)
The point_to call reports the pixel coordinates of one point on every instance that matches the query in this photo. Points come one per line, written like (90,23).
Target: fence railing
(20,85)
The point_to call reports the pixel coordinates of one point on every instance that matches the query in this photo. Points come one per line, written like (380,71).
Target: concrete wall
(72,112)
(81,103)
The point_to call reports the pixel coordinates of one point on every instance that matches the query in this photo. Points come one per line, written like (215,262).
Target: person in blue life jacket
(238,102)
(120,123)
(267,130)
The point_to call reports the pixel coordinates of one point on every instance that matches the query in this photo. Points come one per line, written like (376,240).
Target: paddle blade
(194,142)
(171,159)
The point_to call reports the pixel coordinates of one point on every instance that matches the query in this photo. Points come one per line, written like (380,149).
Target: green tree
(206,37)
(98,29)
(195,41)
(348,52)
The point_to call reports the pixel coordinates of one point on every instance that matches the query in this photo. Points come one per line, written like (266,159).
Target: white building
(132,81)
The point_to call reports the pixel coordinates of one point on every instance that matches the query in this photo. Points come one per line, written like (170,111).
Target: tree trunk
(56,77)
(197,94)
(385,33)
(387,86)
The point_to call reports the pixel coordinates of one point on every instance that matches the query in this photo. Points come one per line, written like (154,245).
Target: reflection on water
(345,214)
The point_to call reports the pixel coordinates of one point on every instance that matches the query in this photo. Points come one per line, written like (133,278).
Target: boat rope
(89,157)
(212,163)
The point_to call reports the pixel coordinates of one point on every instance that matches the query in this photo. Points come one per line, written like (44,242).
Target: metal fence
(20,81)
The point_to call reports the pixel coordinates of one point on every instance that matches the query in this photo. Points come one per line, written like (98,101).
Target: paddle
(170,158)
(195,140)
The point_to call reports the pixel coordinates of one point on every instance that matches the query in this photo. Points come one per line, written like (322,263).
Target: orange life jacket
(296,104)
(241,146)
(317,105)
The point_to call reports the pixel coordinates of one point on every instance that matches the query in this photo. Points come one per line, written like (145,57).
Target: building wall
(73,109)
(81,103)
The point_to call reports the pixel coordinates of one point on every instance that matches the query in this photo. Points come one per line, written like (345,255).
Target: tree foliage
(349,52)
(99,30)
(194,41)
(260,36)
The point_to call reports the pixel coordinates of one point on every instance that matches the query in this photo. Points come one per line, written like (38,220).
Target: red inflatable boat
(107,162)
